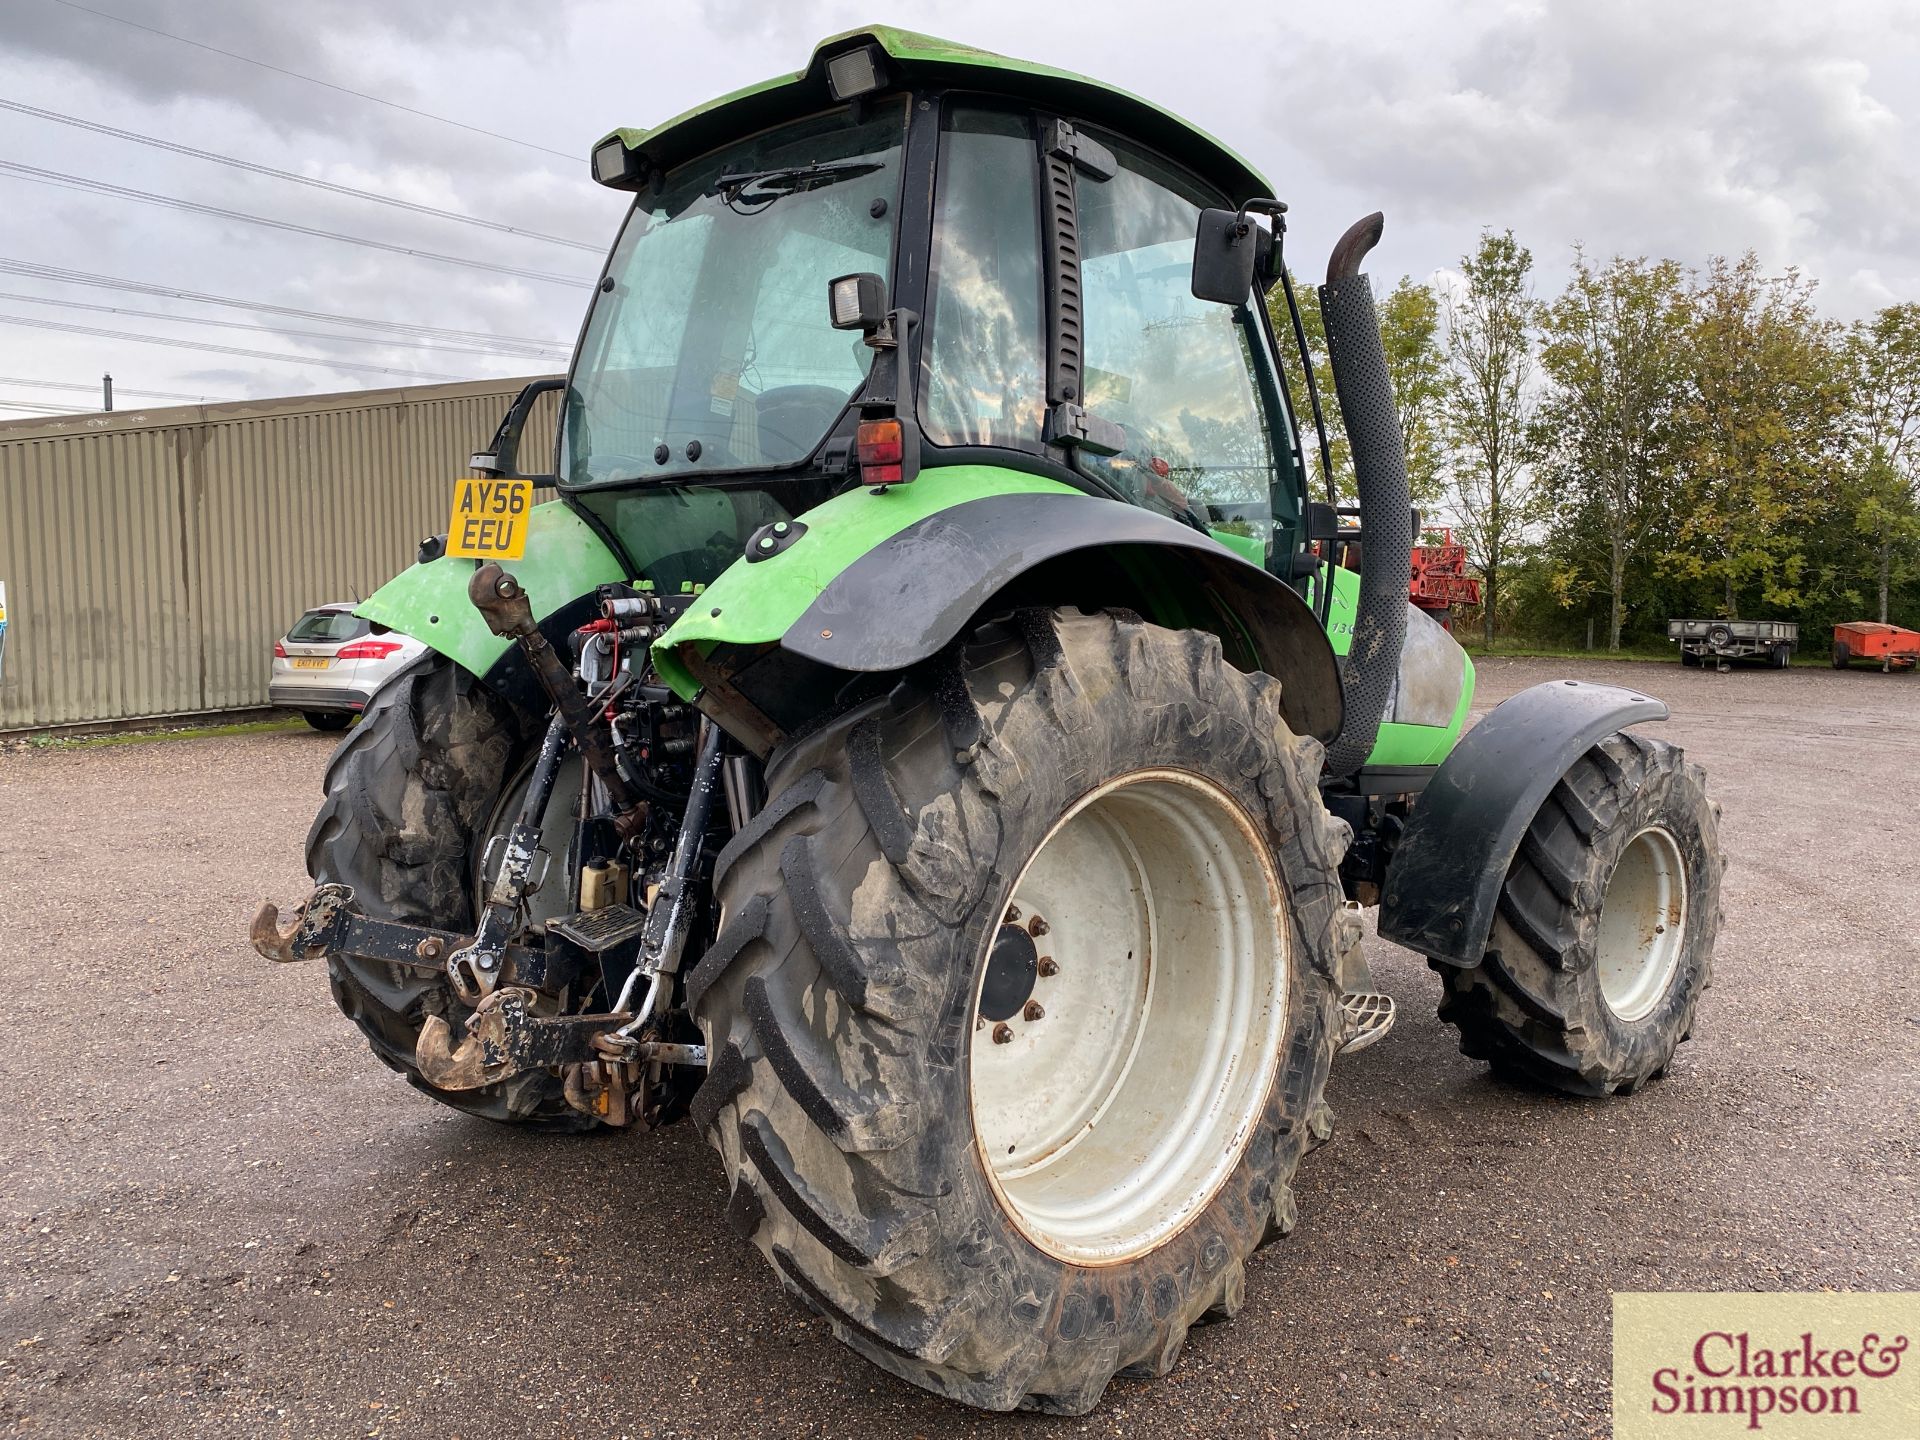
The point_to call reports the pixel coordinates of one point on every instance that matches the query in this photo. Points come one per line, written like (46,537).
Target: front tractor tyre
(1022,1006)
(1603,939)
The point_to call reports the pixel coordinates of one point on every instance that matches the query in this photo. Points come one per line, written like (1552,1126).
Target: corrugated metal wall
(152,557)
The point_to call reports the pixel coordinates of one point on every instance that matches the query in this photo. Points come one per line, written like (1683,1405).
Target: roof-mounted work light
(856,73)
(614,164)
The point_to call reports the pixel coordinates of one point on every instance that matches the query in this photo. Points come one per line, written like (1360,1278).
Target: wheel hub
(1012,967)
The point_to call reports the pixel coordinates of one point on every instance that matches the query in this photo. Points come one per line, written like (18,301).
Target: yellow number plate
(489,519)
(311,662)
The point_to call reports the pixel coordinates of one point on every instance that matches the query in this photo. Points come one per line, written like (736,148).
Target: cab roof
(923,60)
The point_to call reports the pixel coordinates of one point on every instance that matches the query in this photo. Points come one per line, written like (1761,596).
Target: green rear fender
(565,561)
(872,583)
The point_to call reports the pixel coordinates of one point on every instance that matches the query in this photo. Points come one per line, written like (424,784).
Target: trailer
(1894,647)
(1722,641)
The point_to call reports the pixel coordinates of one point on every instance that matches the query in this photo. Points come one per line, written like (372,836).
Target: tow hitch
(605,1070)
(521,996)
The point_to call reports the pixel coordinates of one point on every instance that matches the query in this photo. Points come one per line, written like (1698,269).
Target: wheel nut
(1013,915)
(1002,1033)
(1033,1011)
(1037,927)
(1046,968)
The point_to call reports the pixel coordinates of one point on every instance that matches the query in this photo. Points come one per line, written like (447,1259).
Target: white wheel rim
(1108,1123)
(1643,921)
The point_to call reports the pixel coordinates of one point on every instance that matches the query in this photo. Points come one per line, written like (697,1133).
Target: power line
(393,342)
(318,184)
(145,197)
(43,408)
(319,360)
(94,389)
(312,80)
(35,270)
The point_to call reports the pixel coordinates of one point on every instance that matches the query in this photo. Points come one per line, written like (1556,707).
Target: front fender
(1451,863)
(564,561)
(877,583)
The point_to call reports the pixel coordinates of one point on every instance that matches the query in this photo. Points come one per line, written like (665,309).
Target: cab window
(1175,372)
(986,334)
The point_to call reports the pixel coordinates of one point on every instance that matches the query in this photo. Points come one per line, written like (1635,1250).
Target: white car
(330,663)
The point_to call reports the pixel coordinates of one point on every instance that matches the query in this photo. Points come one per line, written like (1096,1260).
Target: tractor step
(1368,1016)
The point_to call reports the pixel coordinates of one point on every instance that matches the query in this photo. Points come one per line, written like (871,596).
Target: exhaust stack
(1365,393)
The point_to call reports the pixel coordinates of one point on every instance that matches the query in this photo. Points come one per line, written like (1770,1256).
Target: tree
(1883,356)
(1608,435)
(1485,406)
(1410,334)
(1766,439)
(1410,331)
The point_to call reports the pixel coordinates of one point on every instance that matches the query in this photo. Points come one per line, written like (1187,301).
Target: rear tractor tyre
(1023,1004)
(331,720)
(412,795)
(1603,940)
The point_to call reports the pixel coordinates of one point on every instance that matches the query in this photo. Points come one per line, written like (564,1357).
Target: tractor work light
(614,163)
(857,302)
(856,73)
(880,446)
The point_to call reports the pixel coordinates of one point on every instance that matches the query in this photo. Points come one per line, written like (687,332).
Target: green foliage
(1486,408)
(1609,435)
(1410,334)
(1765,438)
(1652,441)
(1882,491)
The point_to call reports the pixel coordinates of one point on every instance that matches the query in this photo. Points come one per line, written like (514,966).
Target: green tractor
(935,743)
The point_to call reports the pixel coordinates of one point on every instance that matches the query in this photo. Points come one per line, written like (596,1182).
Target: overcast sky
(1679,128)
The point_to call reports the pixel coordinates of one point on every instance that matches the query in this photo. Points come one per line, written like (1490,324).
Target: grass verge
(154,736)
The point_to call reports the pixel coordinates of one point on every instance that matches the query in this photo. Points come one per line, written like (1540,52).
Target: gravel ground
(224,1218)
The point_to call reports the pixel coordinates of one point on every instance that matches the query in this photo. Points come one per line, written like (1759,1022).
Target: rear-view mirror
(1224,250)
(502,455)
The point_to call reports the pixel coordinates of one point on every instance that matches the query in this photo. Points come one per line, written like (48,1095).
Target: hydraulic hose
(1365,392)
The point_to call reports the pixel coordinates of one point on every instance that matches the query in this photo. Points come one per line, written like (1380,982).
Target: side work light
(857,302)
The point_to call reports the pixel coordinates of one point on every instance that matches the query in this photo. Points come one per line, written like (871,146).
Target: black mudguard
(911,594)
(1446,873)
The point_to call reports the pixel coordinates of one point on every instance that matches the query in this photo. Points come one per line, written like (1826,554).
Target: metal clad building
(152,557)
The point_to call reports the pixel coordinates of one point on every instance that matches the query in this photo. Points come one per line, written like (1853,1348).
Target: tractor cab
(986,265)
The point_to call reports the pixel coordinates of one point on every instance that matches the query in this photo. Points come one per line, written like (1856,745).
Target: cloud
(1682,128)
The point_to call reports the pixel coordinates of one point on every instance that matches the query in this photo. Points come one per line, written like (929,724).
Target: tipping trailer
(1894,647)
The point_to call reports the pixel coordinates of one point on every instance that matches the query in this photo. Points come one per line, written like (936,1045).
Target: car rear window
(328,627)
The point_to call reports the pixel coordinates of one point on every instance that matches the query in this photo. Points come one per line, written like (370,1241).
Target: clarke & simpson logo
(1784,1365)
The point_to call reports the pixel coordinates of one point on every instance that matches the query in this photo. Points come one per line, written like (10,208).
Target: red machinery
(1440,579)
(1893,647)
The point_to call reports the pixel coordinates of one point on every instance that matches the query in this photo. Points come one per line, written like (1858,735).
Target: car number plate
(489,520)
(311,662)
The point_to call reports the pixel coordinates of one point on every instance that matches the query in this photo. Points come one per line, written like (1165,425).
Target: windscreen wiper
(768,186)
